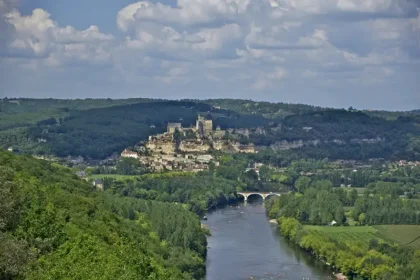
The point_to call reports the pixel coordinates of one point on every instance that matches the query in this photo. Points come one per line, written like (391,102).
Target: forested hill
(54,226)
(99,132)
(98,128)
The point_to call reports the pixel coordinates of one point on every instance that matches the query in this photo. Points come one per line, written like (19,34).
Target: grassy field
(113,176)
(360,190)
(408,235)
(357,234)
(144,176)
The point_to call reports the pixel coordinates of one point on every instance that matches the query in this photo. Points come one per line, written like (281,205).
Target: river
(244,244)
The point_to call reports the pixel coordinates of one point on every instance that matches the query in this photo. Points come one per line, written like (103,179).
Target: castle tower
(203,126)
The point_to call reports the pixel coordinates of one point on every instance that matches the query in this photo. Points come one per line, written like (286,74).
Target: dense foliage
(318,205)
(377,209)
(54,226)
(26,111)
(199,192)
(378,260)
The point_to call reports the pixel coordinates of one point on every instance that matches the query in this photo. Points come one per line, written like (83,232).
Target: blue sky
(340,53)
(79,13)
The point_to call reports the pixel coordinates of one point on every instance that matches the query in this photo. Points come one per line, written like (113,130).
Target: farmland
(361,235)
(113,176)
(408,235)
(120,177)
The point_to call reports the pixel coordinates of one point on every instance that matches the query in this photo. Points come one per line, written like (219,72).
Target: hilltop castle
(200,138)
(188,149)
(203,127)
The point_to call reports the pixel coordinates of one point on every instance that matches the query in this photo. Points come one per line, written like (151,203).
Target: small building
(172,127)
(10,149)
(129,154)
(402,162)
(77,160)
(14,101)
(204,158)
(99,184)
(81,174)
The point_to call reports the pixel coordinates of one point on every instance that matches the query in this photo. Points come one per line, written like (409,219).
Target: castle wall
(161,147)
(189,147)
(219,145)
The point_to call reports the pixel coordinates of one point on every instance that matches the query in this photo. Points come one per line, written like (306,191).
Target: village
(185,149)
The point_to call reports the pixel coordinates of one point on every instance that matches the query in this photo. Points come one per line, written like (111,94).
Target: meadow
(406,235)
(113,176)
(358,234)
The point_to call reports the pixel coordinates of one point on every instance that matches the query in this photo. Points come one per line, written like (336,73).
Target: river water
(244,244)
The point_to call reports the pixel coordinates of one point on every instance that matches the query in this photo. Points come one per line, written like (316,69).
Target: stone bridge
(264,195)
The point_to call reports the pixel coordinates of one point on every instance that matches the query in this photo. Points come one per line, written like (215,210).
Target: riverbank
(353,253)
(244,244)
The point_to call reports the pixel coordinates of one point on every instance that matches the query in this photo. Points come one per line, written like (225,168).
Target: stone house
(129,154)
(194,146)
(99,184)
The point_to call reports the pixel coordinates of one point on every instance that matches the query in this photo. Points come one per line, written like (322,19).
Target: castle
(203,127)
(188,149)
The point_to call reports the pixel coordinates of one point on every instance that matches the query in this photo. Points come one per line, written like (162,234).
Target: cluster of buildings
(408,163)
(186,149)
(161,160)
(200,138)
(186,162)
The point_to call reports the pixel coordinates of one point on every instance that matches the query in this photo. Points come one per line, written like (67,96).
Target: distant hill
(97,128)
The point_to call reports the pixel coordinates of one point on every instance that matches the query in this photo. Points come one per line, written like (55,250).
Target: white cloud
(187,12)
(229,45)
(37,35)
(269,79)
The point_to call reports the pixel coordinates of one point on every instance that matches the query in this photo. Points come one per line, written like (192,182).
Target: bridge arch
(271,194)
(258,194)
(263,195)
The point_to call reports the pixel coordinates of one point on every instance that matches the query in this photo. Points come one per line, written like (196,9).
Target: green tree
(303,183)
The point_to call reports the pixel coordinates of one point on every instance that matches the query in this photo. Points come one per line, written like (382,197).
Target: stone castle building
(203,126)
(174,126)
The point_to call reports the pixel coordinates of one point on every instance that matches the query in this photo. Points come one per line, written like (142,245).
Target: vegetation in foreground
(54,226)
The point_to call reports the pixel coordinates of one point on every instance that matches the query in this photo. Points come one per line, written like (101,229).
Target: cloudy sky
(341,53)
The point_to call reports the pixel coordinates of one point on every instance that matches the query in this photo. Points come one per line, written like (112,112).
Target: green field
(113,176)
(360,190)
(362,234)
(144,176)
(403,234)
